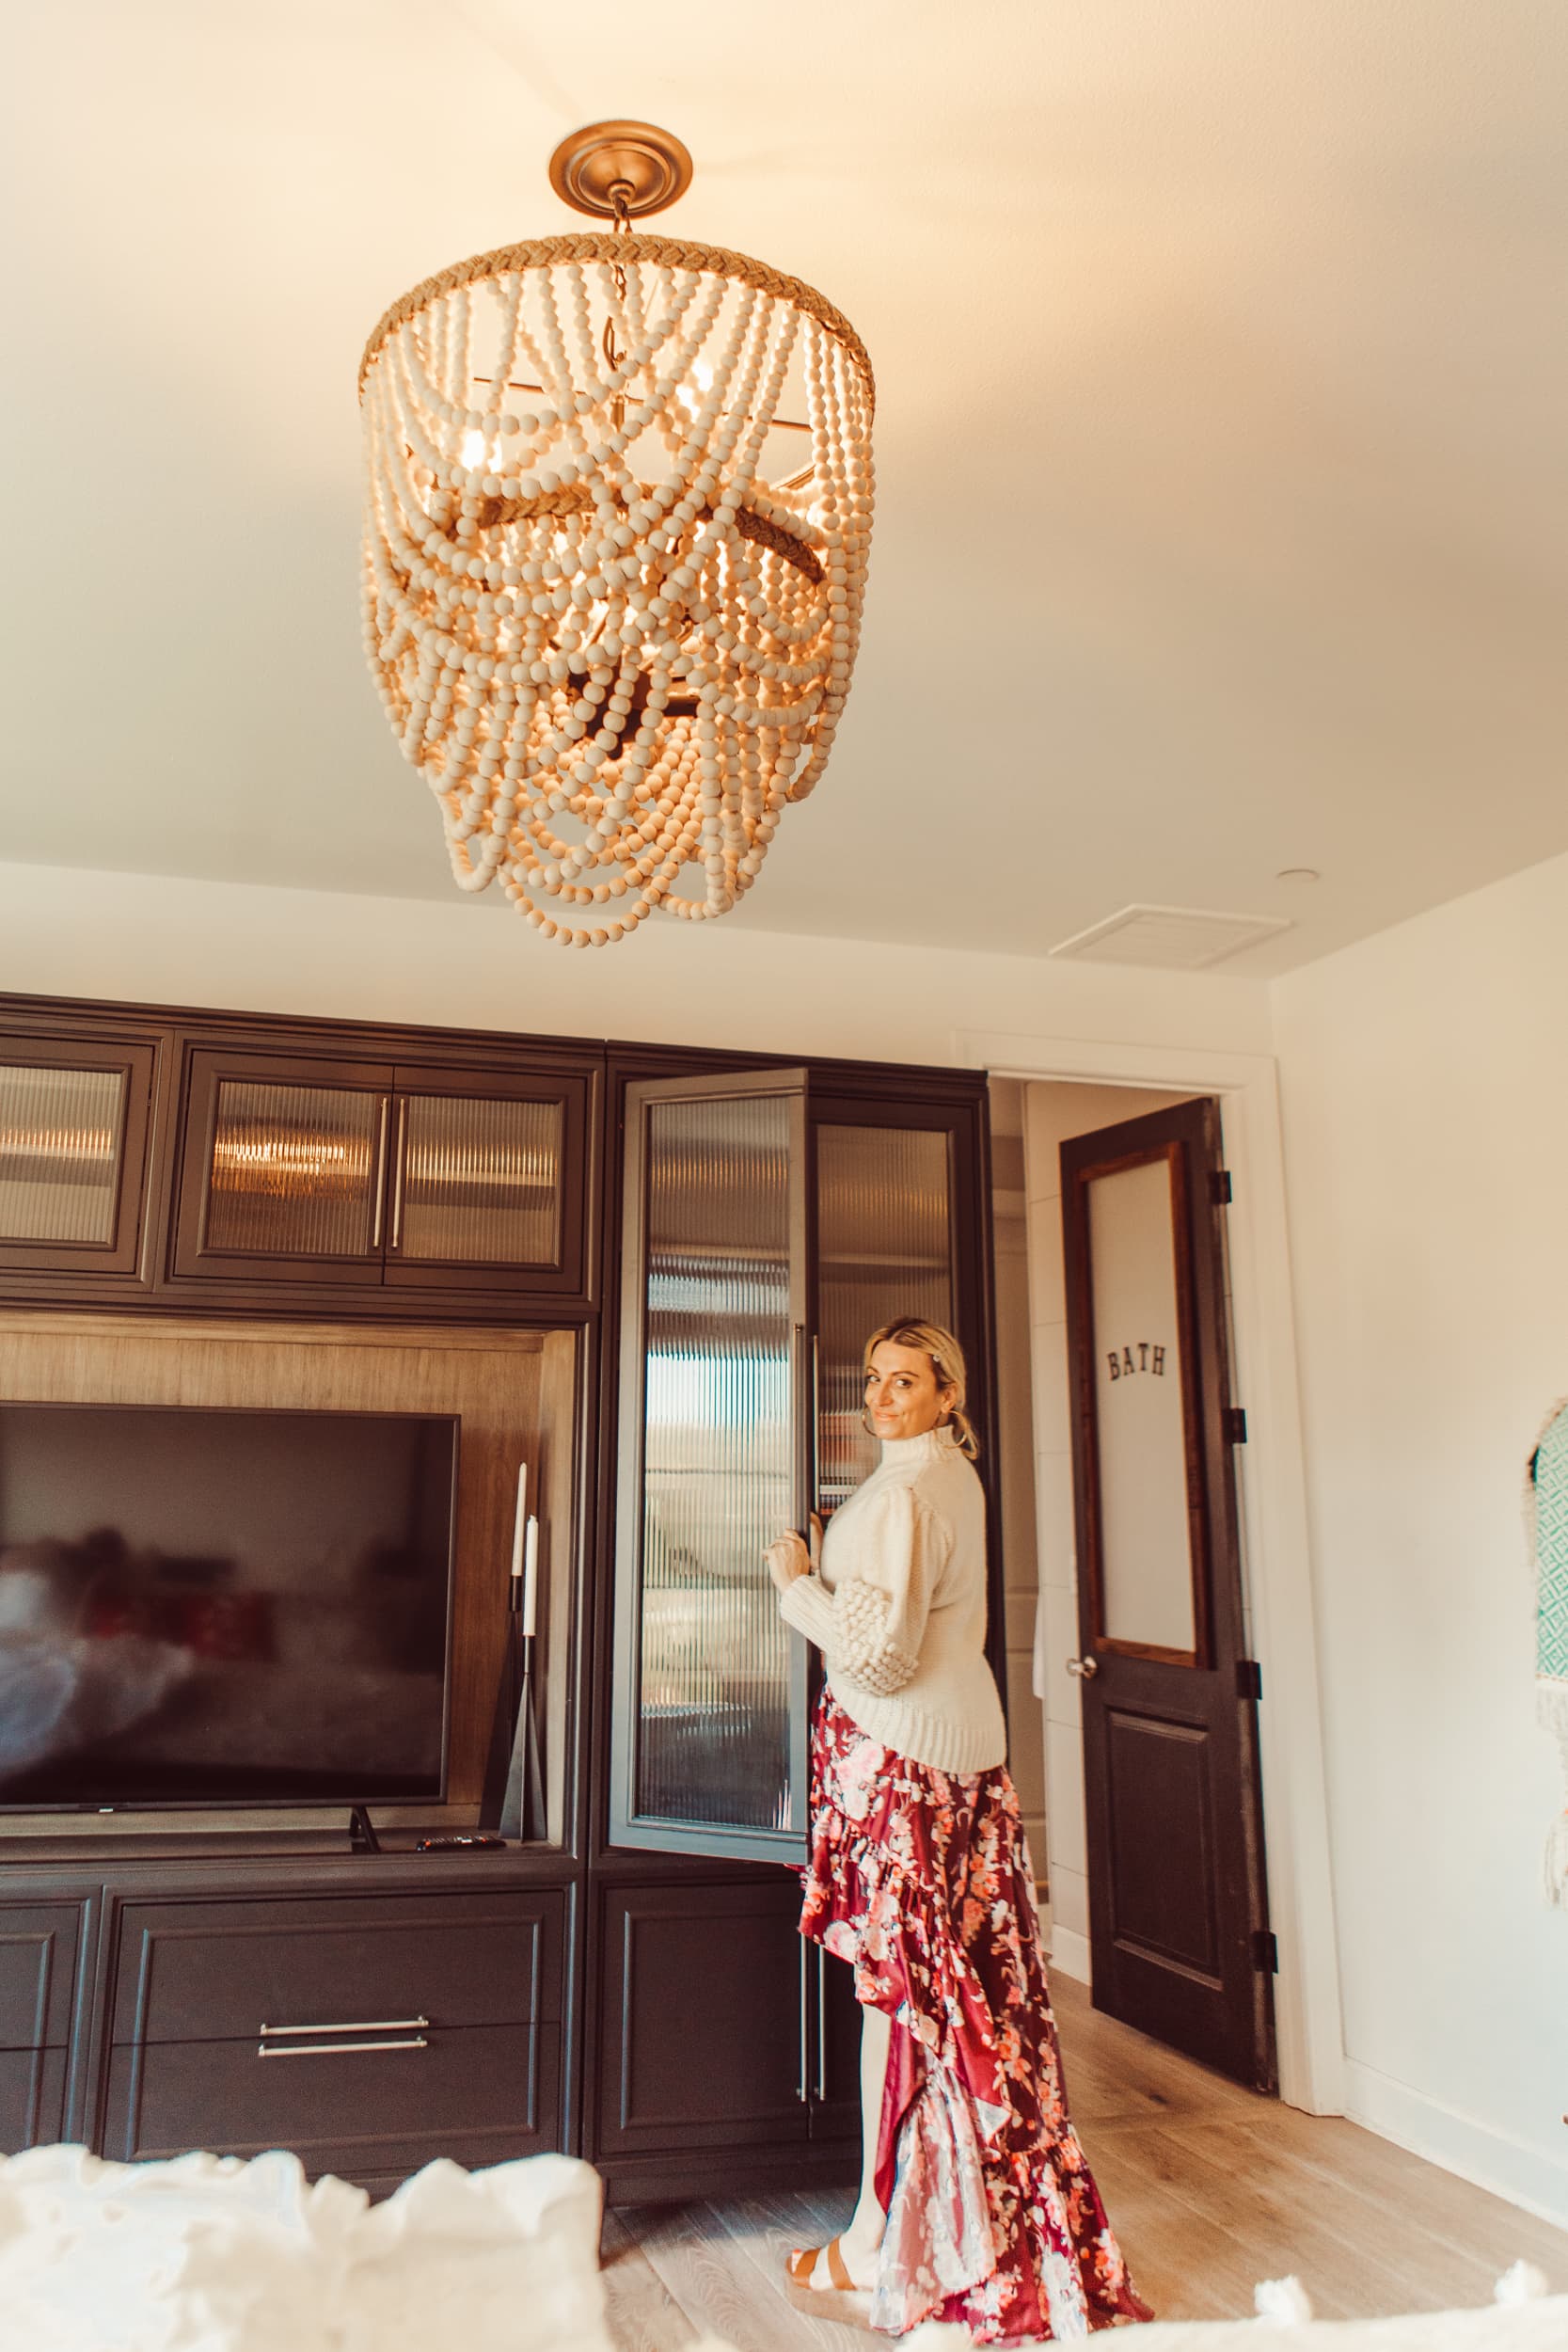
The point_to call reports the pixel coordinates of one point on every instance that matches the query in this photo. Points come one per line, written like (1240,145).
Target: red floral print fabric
(920,1880)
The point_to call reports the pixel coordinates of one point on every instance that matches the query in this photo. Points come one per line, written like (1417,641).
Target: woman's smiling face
(902,1398)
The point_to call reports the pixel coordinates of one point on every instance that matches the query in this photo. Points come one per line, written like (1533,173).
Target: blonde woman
(975,2202)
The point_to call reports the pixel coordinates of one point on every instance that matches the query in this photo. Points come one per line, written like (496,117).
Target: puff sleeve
(870,1624)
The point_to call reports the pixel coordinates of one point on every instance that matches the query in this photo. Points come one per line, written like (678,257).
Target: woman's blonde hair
(947,1362)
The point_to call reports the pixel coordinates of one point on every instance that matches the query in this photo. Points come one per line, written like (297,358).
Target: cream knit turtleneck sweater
(898,1608)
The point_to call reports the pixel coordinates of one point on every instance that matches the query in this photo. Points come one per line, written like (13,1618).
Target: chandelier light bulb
(611,595)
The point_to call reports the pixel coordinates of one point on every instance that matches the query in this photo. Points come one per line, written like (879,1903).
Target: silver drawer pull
(360,2024)
(334,2049)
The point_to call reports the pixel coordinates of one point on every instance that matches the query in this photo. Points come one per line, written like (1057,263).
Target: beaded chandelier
(611,593)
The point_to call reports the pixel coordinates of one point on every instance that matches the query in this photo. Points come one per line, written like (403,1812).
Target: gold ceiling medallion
(617,514)
(620,170)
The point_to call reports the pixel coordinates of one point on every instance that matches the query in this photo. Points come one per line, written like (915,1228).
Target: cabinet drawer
(478,2096)
(32,2099)
(38,1948)
(221,1971)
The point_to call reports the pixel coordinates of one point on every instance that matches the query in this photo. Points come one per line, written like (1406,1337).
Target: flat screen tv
(216,1608)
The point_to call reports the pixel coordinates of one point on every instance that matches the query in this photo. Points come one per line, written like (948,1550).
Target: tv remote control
(448,1845)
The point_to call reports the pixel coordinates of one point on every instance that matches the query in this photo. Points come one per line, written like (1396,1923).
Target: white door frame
(1273,1499)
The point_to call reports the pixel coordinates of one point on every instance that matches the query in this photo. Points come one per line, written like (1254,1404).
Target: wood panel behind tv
(514,1393)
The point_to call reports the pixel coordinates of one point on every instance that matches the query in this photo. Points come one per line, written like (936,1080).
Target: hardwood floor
(1209,2188)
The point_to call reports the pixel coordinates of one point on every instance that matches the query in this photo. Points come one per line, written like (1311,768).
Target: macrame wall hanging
(1546,1520)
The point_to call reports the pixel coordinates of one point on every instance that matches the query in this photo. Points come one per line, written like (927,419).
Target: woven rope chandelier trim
(612,593)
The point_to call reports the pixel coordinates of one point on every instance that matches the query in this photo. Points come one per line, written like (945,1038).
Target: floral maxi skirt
(921,1879)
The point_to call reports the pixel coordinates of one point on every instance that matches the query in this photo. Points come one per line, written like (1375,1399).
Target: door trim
(1276,1560)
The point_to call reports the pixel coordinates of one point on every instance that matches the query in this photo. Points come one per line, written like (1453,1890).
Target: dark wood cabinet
(32,2099)
(836,2113)
(373,2109)
(40,1953)
(283,1168)
(45,1971)
(488,1180)
(772,1219)
(386,2014)
(219,1166)
(75,1114)
(706,2001)
(286,1967)
(331,1171)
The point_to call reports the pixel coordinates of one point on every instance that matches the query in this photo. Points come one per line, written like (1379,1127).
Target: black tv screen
(205,1607)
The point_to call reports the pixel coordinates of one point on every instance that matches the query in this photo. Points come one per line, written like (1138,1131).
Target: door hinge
(1265,1952)
(1249,1679)
(1235,1424)
(1219,1188)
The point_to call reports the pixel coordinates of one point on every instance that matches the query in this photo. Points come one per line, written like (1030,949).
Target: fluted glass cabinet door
(884,1249)
(490,1178)
(73,1126)
(709,1735)
(285,1168)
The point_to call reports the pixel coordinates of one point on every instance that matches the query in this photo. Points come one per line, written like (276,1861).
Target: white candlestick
(530,1579)
(520,1521)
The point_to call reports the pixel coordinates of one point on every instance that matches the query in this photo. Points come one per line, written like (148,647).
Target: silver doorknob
(1085,1668)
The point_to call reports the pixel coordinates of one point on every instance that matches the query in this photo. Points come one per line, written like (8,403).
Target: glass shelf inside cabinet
(884,1208)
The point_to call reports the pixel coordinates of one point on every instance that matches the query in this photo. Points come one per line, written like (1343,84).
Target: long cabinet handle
(334,2049)
(822,2025)
(805,2033)
(398,1172)
(360,2024)
(380,1173)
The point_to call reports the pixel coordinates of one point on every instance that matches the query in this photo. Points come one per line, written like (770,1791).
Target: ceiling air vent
(1172,939)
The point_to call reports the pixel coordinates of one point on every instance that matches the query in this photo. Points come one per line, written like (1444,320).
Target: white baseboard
(1460,2143)
(1070,1953)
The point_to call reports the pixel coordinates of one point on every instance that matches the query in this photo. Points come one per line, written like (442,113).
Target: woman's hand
(787,1559)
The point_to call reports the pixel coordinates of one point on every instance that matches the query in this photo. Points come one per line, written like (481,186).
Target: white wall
(1425,1094)
(471,962)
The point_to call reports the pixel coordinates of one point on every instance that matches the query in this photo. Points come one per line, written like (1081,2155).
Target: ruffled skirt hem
(919,1880)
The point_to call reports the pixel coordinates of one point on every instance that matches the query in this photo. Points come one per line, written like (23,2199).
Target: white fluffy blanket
(208,2254)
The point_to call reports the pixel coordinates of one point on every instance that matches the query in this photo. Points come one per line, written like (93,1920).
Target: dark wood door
(74,1117)
(489,1180)
(836,2100)
(283,1168)
(1178,1902)
(707,2018)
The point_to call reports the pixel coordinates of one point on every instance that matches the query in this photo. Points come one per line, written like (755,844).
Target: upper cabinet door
(709,1740)
(324,1172)
(884,1249)
(73,1126)
(283,1174)
(488,1180)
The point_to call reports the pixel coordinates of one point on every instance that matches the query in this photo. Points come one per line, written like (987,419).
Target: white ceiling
(1221,349)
